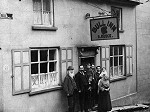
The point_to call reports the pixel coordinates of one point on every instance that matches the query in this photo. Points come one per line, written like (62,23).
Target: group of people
(91,84)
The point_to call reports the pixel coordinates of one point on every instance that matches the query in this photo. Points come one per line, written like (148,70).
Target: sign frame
(104,18)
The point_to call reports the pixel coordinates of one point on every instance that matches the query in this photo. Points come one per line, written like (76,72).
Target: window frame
(42,26)
(120,19)
(54,87)
(105,60)
(118,56)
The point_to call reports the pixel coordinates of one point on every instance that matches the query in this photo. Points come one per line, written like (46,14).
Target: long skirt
(104,101)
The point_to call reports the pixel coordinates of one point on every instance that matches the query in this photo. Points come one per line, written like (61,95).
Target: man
(94,87)
(70,87)
(82,85)
(90,75)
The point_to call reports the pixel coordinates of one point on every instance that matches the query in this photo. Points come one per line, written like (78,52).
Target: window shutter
(21,71)
(66,60)
(105,57)
(129,60)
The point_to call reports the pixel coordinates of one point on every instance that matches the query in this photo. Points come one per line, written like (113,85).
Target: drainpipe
(136,51)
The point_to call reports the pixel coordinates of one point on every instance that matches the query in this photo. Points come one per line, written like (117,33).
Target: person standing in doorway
(90,73)
(96,79)
(82,85)
(104,101)
(70,88)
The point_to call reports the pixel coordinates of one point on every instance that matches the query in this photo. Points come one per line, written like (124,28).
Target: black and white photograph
(74,55)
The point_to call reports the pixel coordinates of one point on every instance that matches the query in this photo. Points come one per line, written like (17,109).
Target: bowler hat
(70,68)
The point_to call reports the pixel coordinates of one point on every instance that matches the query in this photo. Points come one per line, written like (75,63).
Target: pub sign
(104,28)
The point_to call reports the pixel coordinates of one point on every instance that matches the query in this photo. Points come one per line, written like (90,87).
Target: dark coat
(69,85)
(81,81)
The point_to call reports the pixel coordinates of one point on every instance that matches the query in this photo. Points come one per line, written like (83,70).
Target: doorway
(87,60)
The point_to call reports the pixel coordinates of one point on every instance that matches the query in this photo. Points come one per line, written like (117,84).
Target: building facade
(143,34)
(41,38)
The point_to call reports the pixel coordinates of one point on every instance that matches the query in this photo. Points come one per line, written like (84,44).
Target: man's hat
(70,68)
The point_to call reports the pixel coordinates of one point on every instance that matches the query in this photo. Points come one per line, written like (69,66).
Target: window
(117,12)
(35,70)
(43,12)
(117,61)
(44,69)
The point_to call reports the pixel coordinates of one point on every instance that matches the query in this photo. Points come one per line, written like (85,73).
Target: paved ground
(143,110)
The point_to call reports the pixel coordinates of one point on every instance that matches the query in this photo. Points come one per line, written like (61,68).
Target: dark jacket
(69,85)
(81,81)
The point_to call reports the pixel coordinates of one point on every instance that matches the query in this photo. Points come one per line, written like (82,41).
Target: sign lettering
(104,28)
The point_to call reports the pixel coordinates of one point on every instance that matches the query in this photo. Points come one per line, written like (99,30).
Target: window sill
(121,31)
(42,27)
(45,90)
(118,78)
(128,75)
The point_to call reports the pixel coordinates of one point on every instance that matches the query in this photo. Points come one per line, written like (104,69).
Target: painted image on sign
(104,29)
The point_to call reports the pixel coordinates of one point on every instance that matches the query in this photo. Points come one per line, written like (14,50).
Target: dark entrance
(87,55)
(87,60)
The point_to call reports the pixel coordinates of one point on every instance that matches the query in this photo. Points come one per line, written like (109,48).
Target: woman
(104,101)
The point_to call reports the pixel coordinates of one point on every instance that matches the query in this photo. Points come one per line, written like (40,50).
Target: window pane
(52,54)
(130,51)
(69,54)
(70,63)
(103,64)
(46,5)
(63,54)
(107,66)
(111,51)
(120,50)
(17,78)
(115,61)
(34,68)
(43,68)
(127,51)
(115,50)
(34,55)
(25,57)
(107,52)
(52,66)
(26,77)
(103,53)
(117,12)
(120,60)
(63,70)
(37,5)
(46,12)
(35,81)
(128,66)
(120,70)
(115,71)
(17,56)
(111,71)
(111,61)
(131,65)
(37,11)
(43,55)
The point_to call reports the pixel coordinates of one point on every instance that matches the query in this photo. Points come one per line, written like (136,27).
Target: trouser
(83,100)
(71,103)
